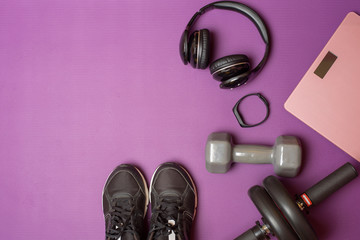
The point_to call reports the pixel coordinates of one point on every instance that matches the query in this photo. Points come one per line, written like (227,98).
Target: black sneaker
(125,199)
(173,200)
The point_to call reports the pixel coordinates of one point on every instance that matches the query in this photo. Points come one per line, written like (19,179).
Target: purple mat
(88,85)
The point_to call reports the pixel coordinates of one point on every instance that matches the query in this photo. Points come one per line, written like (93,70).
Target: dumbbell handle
(329,185)
(252,154)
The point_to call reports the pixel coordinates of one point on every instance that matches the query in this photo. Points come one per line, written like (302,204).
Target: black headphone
(232,71)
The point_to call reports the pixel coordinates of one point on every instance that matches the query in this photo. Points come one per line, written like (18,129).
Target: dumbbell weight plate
(271,214)
(291,211)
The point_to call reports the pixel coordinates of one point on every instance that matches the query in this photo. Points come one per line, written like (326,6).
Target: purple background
(88,85)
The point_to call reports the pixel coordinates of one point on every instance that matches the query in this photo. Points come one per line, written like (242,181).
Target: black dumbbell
(282,216)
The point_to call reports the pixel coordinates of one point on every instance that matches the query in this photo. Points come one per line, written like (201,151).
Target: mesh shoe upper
(125,199)
(173,203)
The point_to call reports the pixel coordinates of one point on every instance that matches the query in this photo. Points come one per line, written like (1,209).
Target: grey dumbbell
(285,155)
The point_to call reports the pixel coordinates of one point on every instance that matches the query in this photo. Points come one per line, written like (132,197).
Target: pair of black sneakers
(173,201)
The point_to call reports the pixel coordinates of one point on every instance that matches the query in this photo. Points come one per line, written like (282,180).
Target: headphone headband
(236,7)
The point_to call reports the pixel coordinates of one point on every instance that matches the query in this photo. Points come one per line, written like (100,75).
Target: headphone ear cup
(205,48)
(236,81)
(230,66)
(183,47)
(199,49)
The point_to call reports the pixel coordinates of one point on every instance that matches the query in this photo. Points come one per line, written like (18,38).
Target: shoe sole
(192,183)
(145,188)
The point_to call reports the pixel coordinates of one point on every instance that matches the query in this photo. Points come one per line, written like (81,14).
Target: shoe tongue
(122,197)
(127,236)
(170,220)
(171,236)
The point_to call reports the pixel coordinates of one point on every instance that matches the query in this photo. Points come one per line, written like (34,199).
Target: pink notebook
(328,96)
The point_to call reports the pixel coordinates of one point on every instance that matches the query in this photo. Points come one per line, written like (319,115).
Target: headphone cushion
(205,48)
(183,47)
(228,61)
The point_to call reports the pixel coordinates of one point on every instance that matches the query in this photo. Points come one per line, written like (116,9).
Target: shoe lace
(121,218)
(167,216)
